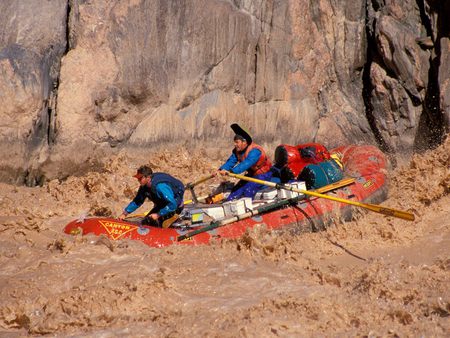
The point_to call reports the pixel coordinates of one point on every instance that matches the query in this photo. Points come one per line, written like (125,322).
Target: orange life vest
(262,166)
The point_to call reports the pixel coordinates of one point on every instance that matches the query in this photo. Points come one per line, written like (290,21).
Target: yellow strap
(338,160)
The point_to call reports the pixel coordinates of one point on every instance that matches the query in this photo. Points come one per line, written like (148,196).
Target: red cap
(138,175)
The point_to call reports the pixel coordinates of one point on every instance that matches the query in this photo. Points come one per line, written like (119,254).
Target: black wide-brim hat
(238,130)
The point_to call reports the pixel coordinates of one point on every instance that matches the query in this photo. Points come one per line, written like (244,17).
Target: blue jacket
(165,191)
(236,167)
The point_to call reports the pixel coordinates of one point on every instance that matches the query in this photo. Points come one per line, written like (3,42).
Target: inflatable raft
(366,181)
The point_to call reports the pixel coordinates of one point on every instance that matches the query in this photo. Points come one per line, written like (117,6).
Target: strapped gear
(321,174)
(291,160)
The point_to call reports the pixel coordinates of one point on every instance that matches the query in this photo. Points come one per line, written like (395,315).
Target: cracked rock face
(405,75)
(84,79)
(32,43)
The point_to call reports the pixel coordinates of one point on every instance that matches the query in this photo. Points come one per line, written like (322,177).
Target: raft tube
(364,162)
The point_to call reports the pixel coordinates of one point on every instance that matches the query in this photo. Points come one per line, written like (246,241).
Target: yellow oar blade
(372,207)
(390,212)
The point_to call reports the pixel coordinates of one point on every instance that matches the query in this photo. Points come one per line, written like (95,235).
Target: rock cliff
(83,79)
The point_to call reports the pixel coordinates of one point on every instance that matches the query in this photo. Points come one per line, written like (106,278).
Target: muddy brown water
(372,277)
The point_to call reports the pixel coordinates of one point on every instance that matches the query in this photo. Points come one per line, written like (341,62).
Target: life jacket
(262,166)
(291,160)
(176,185)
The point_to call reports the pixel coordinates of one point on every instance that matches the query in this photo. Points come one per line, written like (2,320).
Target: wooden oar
(265,208)
(372,207)
(204,179)
(191,186)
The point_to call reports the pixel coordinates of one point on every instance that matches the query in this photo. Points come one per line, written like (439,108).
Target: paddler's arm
(134,204)
(164,192)
(251,159)
(228,165)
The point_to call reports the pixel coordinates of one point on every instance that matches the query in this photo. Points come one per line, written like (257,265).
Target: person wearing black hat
(166,193)
(246,156)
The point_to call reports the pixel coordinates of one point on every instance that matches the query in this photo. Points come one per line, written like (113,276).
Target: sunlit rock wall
(84,79)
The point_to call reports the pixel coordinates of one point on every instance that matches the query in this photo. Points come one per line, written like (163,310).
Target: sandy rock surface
(82,80)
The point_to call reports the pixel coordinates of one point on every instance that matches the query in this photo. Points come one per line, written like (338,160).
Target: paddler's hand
(222,172)
(153,216)
(122,217)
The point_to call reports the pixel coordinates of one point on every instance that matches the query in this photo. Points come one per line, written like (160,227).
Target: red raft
(367,164)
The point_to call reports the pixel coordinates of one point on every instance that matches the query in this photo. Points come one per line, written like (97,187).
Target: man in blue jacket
(246,157)
(166,193)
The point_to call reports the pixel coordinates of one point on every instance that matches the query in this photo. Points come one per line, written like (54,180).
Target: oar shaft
(382,210)
(191,186)
(204,179)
